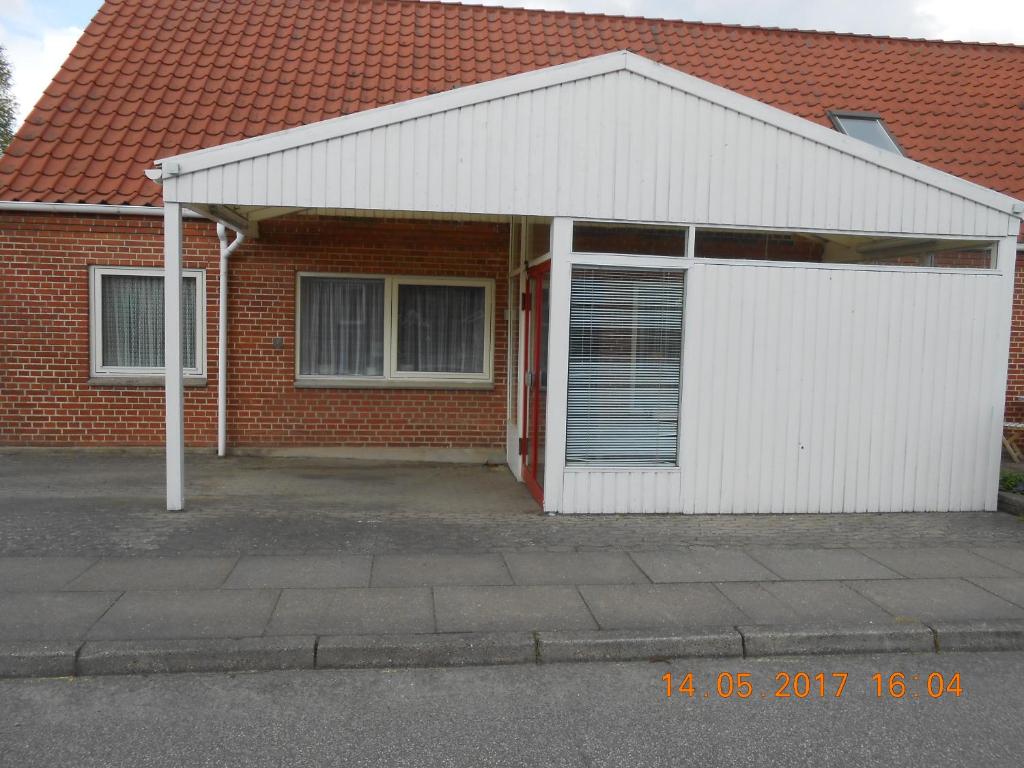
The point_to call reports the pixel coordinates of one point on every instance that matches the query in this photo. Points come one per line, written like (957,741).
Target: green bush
(1012,481)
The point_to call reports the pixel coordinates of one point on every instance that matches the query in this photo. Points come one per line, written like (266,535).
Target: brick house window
(372,329)
(127,321)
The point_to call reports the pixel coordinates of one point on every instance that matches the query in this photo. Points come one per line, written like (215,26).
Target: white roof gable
(613,137)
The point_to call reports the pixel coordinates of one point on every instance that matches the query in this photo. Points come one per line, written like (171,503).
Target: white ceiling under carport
(613,137)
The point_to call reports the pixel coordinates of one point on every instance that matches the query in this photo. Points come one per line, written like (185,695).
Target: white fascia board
(578,70)
(85,208)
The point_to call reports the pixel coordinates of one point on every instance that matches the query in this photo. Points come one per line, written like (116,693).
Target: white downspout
(222,336)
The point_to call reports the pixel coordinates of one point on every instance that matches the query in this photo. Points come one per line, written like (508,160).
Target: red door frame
(532,392)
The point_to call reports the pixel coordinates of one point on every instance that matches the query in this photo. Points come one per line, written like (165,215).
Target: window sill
(327,383)
(141,381)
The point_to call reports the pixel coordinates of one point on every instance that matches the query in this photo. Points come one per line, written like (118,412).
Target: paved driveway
(96,504)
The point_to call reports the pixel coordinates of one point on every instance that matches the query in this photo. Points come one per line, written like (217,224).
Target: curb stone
(817,639)
(252,654)
(1011,503)
(38,659)
(597,645)
(441,650)
(125,657)
(993,635)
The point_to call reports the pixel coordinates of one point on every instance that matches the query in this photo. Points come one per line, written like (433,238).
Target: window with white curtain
(127,324)
(341,327)
(366,328)
(441,328)
(625,358)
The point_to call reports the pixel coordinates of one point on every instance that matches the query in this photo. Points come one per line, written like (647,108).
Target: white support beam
(174,378)
(558,362)
(228,217)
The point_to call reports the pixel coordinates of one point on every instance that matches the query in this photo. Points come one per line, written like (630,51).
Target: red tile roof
(151,78)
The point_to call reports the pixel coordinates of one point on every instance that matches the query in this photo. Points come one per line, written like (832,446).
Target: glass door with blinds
(625,367)
(535,361)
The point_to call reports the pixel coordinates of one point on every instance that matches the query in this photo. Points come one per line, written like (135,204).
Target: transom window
(866,126)
(127,322)
(366,328)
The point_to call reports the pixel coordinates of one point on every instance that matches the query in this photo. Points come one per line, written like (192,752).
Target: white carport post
(173,381)
(555,411)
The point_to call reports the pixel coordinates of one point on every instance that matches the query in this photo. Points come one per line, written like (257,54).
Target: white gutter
(88,208)
(222,336)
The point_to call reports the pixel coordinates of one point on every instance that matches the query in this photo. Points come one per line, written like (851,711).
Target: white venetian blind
(625,355)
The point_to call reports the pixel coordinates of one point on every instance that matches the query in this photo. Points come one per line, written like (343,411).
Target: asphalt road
(558,715)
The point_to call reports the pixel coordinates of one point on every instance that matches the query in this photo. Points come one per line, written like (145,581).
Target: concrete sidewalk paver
(530,568)
(510,609)
(51,615)
(37,574)
(929,599)
(358,611)
(300,572)
(825,601)
(659,606)
(154,573)
(760,605)
(439,570)
(1011,557)
(810,563)
(88,504)
(1008,589)
(937,563)
(160,615)
(701,564)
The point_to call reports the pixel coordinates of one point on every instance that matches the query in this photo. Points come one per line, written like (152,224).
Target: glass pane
(868,129)
(629,238)
(838,248)
(967,258)
(341,328)
(760,246)
(132,309)
(625,357)
(441,328)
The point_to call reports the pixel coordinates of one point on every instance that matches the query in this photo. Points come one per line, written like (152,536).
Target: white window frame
(97,369)
(629,261)
(392,376)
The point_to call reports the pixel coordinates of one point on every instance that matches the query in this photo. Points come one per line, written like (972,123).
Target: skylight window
(866,126)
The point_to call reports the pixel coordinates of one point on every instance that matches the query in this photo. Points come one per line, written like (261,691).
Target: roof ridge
(688,22)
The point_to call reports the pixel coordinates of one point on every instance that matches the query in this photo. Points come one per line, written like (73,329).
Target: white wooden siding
(810,389)
(617,145)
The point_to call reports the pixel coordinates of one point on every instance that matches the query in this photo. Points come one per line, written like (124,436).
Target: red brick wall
(45,397)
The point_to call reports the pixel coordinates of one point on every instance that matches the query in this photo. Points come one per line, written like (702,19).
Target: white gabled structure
(614,137)
(804,386)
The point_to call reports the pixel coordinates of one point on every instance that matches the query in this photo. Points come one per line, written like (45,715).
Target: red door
(535,378)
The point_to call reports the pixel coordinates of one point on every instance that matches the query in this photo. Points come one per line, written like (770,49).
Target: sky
(39,34)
